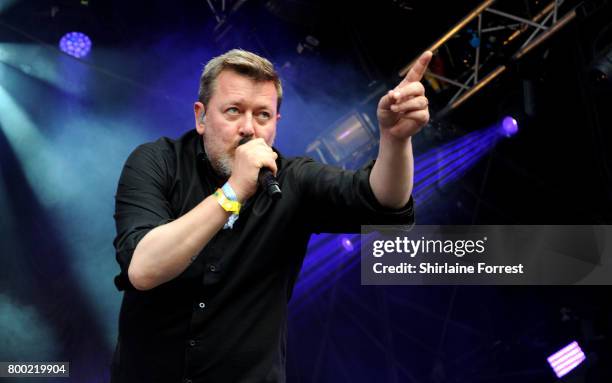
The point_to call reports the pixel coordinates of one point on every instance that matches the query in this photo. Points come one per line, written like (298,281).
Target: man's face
(239,107)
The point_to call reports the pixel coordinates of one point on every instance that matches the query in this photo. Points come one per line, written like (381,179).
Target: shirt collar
(203,162)
(199,148)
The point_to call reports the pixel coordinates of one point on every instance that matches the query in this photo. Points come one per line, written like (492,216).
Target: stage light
(509,126)
(601,68)
(75,44)
(566,359)
(347,244)
(352,137)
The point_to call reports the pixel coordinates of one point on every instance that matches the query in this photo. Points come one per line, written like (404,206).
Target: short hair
(242,62)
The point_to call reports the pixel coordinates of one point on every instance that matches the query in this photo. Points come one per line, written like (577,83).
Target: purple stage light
(75,44)
(451,161)
(347,244)
(566,359)
(509,126)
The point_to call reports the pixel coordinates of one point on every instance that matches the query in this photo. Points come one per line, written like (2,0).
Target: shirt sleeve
(141,202)
(340,201)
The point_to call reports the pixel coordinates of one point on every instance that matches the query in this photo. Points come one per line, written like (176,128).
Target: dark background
(67,125)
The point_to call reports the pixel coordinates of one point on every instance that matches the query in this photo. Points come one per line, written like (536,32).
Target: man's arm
(402,112)
(167,250)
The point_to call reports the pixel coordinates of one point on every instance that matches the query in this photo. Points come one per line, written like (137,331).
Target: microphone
(266,179)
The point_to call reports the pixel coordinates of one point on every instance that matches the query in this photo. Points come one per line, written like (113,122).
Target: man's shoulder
(302,169)
(163,155)
(166,147)
(303,162)
(294,162)
(165,143)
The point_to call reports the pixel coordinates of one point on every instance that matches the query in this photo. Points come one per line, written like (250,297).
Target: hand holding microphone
(254,165)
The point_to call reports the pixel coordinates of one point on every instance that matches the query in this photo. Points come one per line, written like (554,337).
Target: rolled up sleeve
(141,203)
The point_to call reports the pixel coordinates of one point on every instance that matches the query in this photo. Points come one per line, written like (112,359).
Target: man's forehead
(237,88)
(231,79)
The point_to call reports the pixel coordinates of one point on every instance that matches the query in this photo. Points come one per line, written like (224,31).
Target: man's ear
(199,111)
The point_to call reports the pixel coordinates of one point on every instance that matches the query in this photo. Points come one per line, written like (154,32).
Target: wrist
(389,139)
(229,192)
(238,194)
(394,146)
(228,204)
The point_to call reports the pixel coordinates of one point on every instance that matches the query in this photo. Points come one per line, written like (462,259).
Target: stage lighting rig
(490,39)
(222,9)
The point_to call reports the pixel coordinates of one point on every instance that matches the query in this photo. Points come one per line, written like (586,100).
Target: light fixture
(76,44)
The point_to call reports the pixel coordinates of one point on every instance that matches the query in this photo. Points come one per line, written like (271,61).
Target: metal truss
(222,9)
(524,35)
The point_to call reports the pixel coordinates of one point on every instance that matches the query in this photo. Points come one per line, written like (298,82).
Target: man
(208,260)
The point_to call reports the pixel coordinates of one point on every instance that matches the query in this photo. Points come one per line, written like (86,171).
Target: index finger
(418,69)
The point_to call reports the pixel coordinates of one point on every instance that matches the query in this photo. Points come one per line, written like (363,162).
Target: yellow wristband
(226,203)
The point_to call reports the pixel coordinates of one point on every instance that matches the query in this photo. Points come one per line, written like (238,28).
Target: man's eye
(264,115)
(232,110)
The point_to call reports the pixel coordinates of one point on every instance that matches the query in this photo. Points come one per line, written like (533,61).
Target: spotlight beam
(44,169)
(450,173)
(429,159)
(6,4)
(450,154)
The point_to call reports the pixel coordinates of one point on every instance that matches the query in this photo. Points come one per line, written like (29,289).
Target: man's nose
(246,128)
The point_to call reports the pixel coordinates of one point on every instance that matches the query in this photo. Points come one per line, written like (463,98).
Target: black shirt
(224,318)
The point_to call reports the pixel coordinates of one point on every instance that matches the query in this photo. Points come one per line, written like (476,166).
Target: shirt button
(202,305)
(212,268)
(192,342)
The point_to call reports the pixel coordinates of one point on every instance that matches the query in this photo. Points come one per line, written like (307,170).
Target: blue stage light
(509,126)
(347,243)
(75,44)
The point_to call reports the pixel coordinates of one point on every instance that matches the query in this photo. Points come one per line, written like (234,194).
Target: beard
(221,162)
(222,165)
